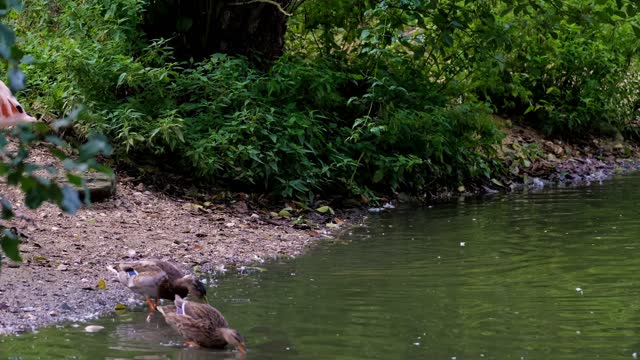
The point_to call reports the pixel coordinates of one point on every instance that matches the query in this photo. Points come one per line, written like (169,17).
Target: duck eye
(19,108)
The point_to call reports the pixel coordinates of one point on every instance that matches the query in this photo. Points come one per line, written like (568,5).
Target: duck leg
(192,344)
(153,308)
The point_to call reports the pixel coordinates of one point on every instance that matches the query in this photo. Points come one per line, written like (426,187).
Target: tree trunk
(200,28)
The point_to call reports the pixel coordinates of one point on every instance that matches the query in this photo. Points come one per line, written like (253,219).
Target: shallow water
(545,275)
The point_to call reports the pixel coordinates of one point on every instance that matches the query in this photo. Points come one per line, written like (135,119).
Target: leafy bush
(564,67)
(306,126)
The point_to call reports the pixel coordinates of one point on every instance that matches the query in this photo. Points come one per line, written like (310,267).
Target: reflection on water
(547,275)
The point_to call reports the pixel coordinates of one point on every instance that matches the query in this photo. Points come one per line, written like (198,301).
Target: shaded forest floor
(65,257)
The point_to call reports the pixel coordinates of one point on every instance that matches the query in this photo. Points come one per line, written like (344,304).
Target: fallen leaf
(101,284)
(120,306)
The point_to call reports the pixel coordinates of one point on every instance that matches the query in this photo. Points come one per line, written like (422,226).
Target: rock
(240,207)
(100,186)
(62,267)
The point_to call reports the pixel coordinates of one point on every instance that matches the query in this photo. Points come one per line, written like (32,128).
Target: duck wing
(200,311)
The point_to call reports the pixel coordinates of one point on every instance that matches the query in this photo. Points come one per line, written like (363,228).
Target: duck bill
(241,348)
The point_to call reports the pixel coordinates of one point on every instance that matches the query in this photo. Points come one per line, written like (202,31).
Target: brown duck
(201,324)
(158,279)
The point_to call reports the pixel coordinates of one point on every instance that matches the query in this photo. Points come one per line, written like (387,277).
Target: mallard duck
(201,324)
(158,279)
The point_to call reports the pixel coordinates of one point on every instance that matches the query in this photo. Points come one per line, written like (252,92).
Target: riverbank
(65,257)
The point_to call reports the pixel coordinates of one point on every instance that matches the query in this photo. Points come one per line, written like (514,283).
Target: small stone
(53,313)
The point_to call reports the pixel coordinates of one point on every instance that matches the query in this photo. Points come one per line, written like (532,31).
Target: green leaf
(9,243)
(7,209)
(325,209)
(7,39)
(96,145)
(70,200)
(16,78)
(67,120)
(74,179)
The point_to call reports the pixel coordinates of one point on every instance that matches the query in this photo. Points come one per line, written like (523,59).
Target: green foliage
(566,68)
(304,127)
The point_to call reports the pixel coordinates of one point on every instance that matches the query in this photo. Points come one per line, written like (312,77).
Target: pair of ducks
(191,315)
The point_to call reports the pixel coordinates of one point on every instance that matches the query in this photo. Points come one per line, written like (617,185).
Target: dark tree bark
(200,28)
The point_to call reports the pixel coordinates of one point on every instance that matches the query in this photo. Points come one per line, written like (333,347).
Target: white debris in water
(580,290)
(538,183)
(287,348)
(578,332)
(388,206)
(416,343)
(474,219)
(93,328)
(634,355)
(462,243)
(375,210)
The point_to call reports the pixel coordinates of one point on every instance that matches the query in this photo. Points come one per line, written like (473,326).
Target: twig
(272,2)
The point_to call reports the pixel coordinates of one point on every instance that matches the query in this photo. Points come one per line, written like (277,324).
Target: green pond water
(544,275)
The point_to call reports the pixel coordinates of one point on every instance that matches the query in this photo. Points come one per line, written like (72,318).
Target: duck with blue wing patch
(158,279)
